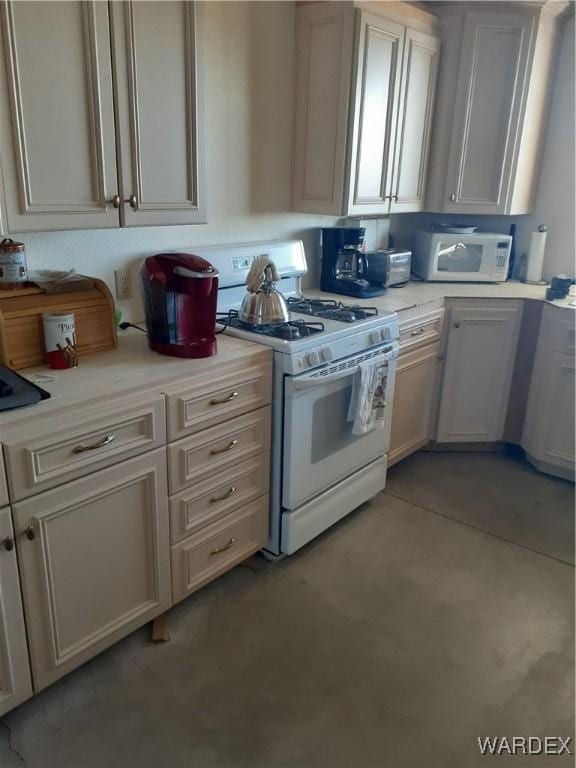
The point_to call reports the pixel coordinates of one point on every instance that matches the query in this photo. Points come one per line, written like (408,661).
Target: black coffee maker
(343,263)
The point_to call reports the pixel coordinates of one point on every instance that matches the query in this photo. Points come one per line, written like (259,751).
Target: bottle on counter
(13,268)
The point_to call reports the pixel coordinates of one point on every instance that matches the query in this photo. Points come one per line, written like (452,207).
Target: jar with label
(13,270)
(60,340)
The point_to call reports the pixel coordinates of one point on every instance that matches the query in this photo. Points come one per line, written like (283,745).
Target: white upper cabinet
(492,106)
(375,112)
(419,75)
(57,145)
(365,86)
(87,85)
(160,92)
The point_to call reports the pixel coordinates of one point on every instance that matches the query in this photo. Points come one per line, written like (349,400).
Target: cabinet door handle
(230,445)
(133,200)
(8,543)
(30,533)
(100,444)
(116,200)
(222,400)
(456,325)
(452,198)
(217,550)
(230,492)
(418,332)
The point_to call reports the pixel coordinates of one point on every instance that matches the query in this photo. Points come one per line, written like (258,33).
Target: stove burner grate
(329,309)
(290,331)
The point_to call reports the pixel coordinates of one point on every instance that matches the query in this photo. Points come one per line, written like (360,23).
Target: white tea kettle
(263,304)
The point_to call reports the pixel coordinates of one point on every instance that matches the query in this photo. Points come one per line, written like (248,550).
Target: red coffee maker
(180,294)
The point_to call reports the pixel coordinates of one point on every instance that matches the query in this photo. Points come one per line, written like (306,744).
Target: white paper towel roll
(536,256)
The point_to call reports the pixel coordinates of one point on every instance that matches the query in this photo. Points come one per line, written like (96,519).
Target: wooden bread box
(21,329)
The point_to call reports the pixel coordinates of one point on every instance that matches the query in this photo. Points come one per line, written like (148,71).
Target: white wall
(556,203)
(249,57)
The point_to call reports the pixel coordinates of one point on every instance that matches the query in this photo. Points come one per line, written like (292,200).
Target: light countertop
(430,296)
(133,367)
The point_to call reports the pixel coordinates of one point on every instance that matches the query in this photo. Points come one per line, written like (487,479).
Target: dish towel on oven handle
(368,402)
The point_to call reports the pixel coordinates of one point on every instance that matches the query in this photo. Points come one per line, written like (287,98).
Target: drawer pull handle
(230,445)
(222,400)
(8,543)
(30,533)
(418,332)
(105,441)
(217,550)
(230,492)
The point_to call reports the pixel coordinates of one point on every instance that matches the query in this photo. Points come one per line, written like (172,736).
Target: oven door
(319,447)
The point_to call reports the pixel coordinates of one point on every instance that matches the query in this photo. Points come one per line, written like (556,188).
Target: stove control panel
(380,335)
(315,358)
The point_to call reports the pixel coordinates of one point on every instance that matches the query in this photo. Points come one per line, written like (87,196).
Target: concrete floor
(396,639)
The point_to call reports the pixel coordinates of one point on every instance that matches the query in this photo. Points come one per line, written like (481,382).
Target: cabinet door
(15,684)
(377,95)
(324,53)
(479,363)
(414,392)
(556,413)
(488,107)
(97,564)
(413,134)
(548,436)
(57,131)
(3,482)
(160,96)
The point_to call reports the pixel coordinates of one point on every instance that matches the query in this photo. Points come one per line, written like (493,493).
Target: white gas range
(320,470)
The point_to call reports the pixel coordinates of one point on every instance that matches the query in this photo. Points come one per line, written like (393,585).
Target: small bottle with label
(13,269)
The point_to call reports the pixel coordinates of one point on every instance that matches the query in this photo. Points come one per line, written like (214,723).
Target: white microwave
(481,257)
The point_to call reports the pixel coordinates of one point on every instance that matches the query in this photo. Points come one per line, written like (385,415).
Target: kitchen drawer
(421,330)
(205,456)
(3,484)
(82,442)
(207,502)
(237,390)
(216,548)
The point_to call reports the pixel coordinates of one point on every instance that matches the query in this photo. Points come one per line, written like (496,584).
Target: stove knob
(326,355)
(375,337)
(385,334)
(313,358)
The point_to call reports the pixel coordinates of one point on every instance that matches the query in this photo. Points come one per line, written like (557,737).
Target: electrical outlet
(122,281)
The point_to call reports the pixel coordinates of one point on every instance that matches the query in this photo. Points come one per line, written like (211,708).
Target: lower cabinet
(549,431)
(414,396)
(480,355)
(15,684)
(216,548)
(94,562)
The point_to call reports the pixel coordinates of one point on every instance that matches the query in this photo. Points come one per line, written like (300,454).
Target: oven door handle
(317,381)
(299,383)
